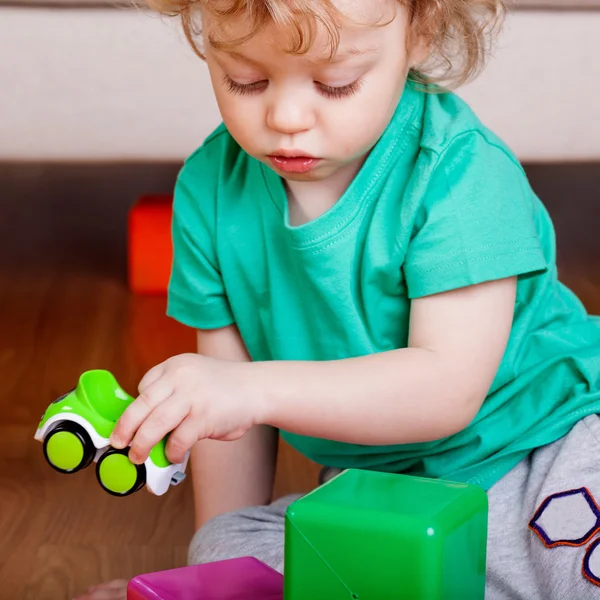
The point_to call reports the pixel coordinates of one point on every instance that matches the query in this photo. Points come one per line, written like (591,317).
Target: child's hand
(194,397)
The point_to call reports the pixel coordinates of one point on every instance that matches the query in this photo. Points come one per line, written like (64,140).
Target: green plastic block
(377,536)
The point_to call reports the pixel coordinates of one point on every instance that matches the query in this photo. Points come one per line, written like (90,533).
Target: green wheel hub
(65,450)
(118,474)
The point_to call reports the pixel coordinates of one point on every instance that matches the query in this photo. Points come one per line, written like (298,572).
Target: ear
(419,49)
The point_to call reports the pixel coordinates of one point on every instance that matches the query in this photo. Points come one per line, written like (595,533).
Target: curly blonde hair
(459,32)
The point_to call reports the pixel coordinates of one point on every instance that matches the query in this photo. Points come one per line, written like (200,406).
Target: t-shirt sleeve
(196,294)
(476,221)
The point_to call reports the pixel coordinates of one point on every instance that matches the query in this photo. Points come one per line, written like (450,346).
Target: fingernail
(115,442)
(135,459)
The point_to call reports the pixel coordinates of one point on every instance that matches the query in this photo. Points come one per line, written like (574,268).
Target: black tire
(89,451)
(140,480)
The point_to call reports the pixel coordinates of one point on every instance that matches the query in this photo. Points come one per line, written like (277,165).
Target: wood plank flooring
(65,308)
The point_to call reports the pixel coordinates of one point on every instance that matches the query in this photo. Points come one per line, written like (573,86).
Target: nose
(290,113)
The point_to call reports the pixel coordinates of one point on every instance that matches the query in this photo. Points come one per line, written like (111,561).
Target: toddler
(372,277)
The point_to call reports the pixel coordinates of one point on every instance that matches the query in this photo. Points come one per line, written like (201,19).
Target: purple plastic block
(237,579)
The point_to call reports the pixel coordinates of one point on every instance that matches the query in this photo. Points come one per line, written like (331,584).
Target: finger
(164,419)
(115,584)
(114,590)
(107,594)
(138,411)
(152,376)
(182,439)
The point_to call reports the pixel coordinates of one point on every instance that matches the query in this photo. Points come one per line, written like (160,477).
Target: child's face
(307,116)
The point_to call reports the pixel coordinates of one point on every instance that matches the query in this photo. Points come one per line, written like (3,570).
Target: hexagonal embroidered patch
(568,518)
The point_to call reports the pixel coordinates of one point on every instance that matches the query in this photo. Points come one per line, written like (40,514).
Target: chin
(310,176)
(321,172)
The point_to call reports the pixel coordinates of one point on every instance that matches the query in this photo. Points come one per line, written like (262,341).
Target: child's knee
(209,541)
(256,531)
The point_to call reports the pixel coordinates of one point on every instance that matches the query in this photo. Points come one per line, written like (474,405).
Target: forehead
(348,27)
(366,12)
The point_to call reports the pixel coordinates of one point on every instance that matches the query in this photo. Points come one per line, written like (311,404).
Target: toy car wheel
(118,475)
(68,447)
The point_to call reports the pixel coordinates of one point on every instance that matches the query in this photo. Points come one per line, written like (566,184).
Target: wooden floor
(65,308)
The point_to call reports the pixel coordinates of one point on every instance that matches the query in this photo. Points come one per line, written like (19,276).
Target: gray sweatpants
(548,496)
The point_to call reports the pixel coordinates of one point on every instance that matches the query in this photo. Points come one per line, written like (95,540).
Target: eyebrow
(346,54)
(241,57)
(337,58)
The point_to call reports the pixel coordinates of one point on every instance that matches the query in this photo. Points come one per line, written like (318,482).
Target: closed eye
(333,92)
(244,89)
(340,92)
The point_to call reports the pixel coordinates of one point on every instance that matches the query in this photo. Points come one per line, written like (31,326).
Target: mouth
(293,161)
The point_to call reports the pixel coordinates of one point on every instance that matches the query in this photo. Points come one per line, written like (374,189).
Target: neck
(308,200)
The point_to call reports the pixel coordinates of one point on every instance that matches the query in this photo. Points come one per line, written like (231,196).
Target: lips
(288,162)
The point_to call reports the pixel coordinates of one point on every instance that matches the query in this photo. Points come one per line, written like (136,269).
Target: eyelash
(246,89)
(341,92)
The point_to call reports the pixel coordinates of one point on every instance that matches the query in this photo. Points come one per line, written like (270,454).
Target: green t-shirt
(439,204)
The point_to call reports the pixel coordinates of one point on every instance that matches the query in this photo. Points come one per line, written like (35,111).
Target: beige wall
(118,84)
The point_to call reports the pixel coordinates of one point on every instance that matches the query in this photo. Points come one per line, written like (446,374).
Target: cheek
(240,118)
(352,141)
(376,105)
(368,117)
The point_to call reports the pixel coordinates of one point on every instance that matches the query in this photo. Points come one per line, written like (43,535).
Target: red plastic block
(150,247)
(237,579)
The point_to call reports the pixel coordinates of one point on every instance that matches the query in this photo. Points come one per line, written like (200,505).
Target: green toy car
(75,431)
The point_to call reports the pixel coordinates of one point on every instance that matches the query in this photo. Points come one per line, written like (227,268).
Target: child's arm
(430,390)
(227,477)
